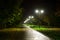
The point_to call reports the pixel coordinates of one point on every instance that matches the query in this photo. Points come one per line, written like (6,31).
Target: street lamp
(42,11)
(39,12)
(36,11)
(31,17)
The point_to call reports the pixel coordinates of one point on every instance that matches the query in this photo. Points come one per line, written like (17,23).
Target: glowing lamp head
(42,11)
(36,11)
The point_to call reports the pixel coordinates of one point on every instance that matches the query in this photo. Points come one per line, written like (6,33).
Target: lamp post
(29,18)
(39,12)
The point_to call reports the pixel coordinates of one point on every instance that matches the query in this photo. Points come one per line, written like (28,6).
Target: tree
(10,13)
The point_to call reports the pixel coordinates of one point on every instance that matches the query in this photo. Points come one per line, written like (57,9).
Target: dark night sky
(31,5)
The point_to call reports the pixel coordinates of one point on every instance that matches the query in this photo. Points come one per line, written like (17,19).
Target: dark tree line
(10,13)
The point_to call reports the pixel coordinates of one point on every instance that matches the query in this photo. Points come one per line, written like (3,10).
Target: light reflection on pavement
(34,35)
(25,33)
